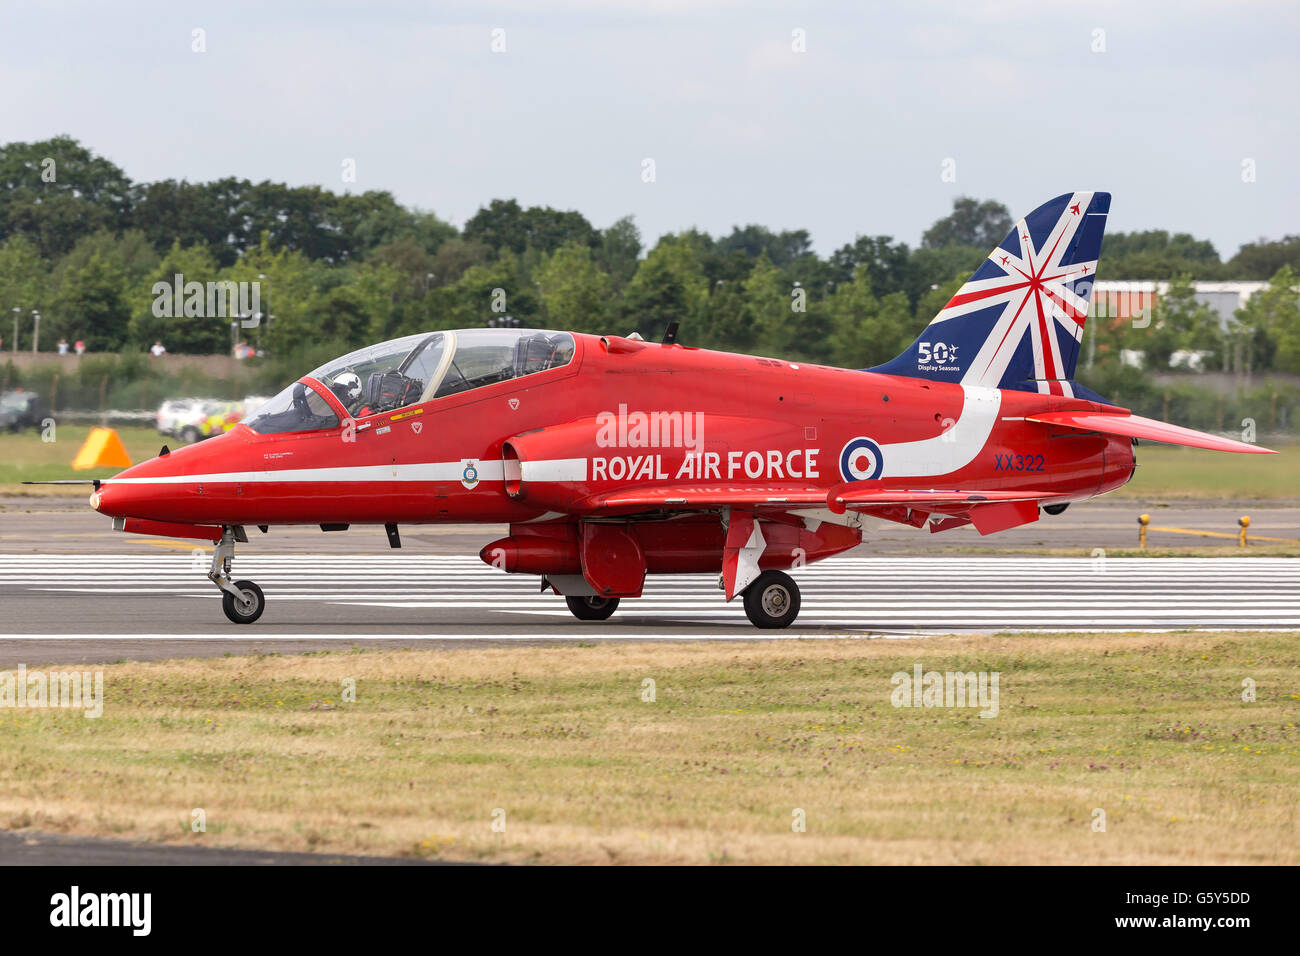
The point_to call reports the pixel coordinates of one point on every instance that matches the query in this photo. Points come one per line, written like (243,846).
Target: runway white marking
(905,595)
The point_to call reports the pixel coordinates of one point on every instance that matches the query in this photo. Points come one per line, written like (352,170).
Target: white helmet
(347,383)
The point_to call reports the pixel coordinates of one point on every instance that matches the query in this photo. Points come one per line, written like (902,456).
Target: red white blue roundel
(861,460)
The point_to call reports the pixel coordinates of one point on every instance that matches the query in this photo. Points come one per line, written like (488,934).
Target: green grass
(1150,728)
(25,457)
(1166,471)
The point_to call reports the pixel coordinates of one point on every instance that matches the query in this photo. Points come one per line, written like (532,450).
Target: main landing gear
(242,601)
(591,608)
(772,601)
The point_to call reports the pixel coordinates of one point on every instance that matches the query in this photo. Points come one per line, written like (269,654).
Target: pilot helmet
(347,386)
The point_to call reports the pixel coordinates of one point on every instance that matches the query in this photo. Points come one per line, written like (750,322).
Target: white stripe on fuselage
(429,471)
(955,448)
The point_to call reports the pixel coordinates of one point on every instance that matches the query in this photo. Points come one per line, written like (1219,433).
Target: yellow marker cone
(102,449)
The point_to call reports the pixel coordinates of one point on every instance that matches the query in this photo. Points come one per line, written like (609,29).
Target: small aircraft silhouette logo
(1075,209)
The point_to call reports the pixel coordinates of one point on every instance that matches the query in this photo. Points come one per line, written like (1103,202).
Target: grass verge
(558,743)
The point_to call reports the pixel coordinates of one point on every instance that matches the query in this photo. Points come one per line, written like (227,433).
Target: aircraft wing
(1125,424)
(693,496)
(988,511)
(847,497)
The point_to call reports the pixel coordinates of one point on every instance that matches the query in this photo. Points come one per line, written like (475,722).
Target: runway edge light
(102,449)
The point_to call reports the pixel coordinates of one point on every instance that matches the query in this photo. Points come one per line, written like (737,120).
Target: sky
(841,118)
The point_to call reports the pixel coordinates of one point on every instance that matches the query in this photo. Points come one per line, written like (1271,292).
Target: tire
(189,434)
(772,601)
(241,614)
(592,608)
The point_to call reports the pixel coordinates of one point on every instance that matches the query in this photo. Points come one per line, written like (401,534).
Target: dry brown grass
(1150,728)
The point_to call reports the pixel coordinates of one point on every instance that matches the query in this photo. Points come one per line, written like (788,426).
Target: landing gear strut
(591,608)
(772,601)
(242,601)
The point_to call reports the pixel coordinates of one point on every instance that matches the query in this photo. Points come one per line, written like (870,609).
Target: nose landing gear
(242,601)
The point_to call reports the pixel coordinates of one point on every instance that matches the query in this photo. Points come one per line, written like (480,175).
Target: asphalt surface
(73,590)
(29,848)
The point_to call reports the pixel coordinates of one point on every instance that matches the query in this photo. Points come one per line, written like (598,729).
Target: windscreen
(299,408)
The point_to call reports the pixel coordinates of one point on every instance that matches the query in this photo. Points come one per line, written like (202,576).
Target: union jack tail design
(1018,321)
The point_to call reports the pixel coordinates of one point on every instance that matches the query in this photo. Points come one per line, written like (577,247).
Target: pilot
(347,388)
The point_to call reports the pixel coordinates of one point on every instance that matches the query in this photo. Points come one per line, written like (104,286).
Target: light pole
(36,329)
(17,312)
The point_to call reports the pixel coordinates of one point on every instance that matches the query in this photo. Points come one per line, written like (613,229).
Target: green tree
(1267,330)
(576,294)
(24,285)
(767,309)
(620,248)
(55,191)
(1180,323)
(189,335)
(669,286)
(971,223)
(1262,260)
(1155,254)
(867,331)
(92,306)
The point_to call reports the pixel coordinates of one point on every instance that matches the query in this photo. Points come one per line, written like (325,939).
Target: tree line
(86,246)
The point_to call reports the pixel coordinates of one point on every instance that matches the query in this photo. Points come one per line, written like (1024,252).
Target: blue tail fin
(1018,321)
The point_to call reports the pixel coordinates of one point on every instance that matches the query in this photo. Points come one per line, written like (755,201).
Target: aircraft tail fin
(1018,320)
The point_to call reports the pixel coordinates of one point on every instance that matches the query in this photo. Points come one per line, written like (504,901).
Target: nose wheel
(772,601)
(242,601)
(246,608)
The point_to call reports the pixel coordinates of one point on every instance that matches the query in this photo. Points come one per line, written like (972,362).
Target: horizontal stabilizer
(1127,425)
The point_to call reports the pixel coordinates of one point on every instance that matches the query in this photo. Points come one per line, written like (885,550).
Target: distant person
(79,347)
(63,346)
(243,350)
(157,350)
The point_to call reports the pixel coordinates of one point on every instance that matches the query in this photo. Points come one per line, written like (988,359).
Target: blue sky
(846,138)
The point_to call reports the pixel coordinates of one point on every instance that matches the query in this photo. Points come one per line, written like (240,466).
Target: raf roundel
(861,460)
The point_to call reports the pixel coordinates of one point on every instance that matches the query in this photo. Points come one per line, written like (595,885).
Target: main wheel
(189,434)
(250,605)
(772,601)
(591,608)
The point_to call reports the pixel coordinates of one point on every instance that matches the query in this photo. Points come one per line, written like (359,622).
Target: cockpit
(413,369)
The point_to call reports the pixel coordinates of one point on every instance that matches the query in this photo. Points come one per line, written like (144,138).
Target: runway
(404,598)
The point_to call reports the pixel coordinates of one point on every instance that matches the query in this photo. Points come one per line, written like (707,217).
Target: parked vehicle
(187,418)
(19,410)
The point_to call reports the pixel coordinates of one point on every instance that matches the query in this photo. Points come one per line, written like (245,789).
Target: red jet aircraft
(612,458)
